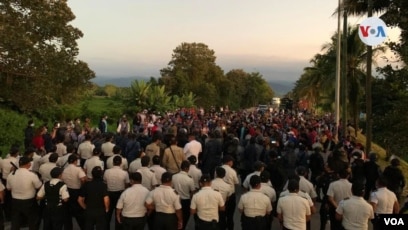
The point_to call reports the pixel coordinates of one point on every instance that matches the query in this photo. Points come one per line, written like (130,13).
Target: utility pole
(369,121)
(338,67)
(344,72)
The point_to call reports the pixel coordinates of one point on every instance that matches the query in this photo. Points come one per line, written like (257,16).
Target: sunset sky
(124,38)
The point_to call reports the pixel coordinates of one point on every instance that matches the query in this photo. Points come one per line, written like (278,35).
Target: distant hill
(279,87)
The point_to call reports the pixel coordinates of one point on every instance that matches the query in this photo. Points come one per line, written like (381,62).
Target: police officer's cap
(56,172)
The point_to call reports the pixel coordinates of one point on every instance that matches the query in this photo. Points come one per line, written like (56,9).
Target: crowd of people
(162,171)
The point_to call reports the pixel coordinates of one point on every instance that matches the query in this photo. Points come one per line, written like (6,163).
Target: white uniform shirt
(245,184)
(107,149)
(339,190)
(183,184)
(135,165)
(231,177)
(196,174)
(116,179)
(91,163)
(384,200)
(109,162)
(132,201)
(356,213)
(85,150)
(218,184)
(72,175)
(192,148)
(148,178)
(165,199)
(294,210)
(206,202)
(45,171)
(63,161)
(35,166)
(254,203)
(6,166)
(268,191)
(301,194)
(63,192)
(61,149)
(307,186)
(23,184)
(158,172)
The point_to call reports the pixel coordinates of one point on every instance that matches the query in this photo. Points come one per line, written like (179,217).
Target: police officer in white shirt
(117,152)
(218,184)
(206,203)
(293,210)
(85,149)
(384,201)
(23,185)
(130,208)
(45,169)
(148,177)
(338,191)
(230,178)
(117,180)
(74,177)
(193,147)
(269,192)
(355,212)
(93,162)
(184,185)
(254,206)
(194,172)
(157,169)
(166,202)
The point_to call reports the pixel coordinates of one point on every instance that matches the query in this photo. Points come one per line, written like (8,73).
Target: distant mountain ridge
(280,87)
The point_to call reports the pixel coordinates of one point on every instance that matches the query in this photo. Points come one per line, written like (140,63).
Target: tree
(192,68)
(38,54)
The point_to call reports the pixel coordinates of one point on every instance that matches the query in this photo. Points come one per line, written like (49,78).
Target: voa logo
(393,221)
(372,31)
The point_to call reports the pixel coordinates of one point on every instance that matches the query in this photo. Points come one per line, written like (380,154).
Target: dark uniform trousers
(134,223)
(95,218)
(222,223)
(7,202)
(185,207)
(113,199)
(74,210)
(206,225)
(27,209)
(165,221)
(249,223)
(230,206)
(334,223)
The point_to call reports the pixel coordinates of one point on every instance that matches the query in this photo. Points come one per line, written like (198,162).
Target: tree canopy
(192,68)
(38,54)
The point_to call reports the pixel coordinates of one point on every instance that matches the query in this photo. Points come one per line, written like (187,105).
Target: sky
(127,38)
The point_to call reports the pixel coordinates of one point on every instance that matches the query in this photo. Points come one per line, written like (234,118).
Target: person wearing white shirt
(45,169)
(293,210)
(157,169)
(184,185)
(338,191)
(194,172)
(206,204)
(218,184)
(148,177)
(93,162)
(383,201)
(130,208)
(230,178)
(23,185)
(355,212)
(193,147)
(258,167)
(116,180)
(107,147)
(116,152)
(61,148)
(254,206)
(85,149)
